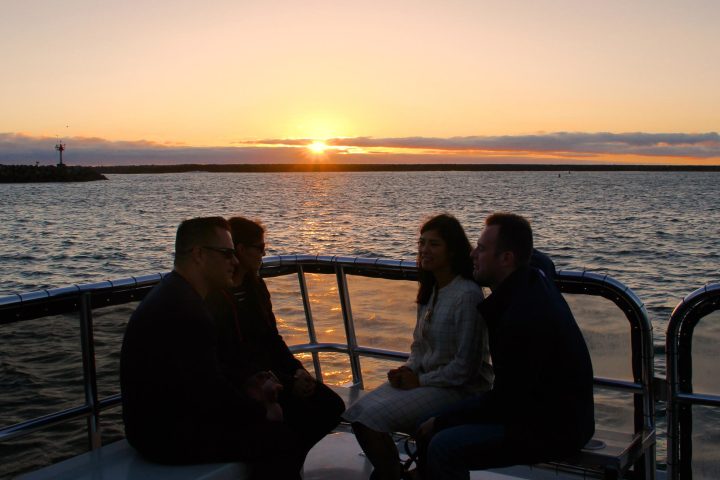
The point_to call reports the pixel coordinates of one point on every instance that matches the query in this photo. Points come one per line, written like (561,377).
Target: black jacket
(175,395)
(249,341)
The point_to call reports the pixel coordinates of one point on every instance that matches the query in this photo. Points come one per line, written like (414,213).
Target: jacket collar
(502,297)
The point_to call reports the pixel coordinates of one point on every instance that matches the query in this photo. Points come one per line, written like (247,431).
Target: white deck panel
(119,461)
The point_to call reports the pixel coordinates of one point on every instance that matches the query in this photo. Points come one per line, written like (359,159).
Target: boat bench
(610,453)
(120,461)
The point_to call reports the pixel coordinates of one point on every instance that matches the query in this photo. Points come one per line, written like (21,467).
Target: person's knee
(338,405)
(440,450)
(331,402)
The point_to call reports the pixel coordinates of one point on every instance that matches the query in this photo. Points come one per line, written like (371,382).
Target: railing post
(87,342)
(673,443)
(344,294)
(309,319)
(648,359)
(679,363)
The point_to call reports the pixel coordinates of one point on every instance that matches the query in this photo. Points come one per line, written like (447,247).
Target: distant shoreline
(48,174)
(375,167)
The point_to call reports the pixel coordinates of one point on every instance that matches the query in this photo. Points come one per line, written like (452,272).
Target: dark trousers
(272,450)
(314,417)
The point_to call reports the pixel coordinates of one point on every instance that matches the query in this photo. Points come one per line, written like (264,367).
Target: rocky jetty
(47,173)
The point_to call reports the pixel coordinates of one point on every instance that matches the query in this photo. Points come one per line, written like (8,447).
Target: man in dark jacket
(178,404)
(541,405)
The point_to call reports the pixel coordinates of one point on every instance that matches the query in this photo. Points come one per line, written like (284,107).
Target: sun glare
(317,147)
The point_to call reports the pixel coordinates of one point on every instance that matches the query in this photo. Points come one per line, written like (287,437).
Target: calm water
(658,233)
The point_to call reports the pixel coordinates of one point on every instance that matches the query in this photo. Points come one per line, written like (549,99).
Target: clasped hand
(403,378)
(304,384)
(264,387)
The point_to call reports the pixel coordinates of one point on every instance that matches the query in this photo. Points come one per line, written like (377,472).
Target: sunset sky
(451,81)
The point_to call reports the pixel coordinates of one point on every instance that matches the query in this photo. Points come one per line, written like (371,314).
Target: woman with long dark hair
(449,357)
(251,348)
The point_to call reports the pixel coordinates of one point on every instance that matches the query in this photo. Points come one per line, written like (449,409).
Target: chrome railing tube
(349,324)
(681,398)
(312,336)
(87,341)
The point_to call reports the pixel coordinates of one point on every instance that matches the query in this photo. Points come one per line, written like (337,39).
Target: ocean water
(658,233)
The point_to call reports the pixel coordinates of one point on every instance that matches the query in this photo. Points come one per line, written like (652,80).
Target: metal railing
(642,356)
(83,299)
(681,397)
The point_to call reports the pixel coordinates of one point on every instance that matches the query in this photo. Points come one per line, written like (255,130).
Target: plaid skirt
(390,409)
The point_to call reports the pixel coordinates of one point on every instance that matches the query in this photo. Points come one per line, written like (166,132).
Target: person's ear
(197,254)
(507,258)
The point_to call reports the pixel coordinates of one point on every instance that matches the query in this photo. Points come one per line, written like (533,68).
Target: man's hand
(273,412)
(263,387)
(403,377)
(304,385)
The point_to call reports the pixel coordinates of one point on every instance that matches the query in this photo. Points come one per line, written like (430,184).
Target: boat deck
(337,456)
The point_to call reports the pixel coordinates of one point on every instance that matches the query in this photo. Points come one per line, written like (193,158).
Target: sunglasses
(228,253)
(260,247)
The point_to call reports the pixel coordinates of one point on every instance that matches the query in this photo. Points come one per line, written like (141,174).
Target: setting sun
(318,147)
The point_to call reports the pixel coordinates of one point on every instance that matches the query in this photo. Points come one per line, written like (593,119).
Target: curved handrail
(685,317)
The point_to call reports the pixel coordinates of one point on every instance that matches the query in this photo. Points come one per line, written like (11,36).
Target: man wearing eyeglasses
(178,405)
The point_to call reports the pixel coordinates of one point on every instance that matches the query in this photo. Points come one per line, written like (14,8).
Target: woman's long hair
(458,247)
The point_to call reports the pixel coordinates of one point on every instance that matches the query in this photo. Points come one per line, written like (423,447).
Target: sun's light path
(318,147)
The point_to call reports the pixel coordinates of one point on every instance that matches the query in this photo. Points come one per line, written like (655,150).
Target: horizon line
(390,167)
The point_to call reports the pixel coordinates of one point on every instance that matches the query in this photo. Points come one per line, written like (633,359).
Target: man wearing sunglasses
(178,405)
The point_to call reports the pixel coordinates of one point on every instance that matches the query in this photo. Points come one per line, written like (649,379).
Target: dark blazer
(248,334)
(175,395)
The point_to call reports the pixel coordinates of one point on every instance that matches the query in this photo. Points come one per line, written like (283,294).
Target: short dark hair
(514,235)
(245,231)
(458,246)
(196,231)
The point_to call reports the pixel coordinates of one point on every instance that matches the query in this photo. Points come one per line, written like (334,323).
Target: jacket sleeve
(413,361)
(283,359)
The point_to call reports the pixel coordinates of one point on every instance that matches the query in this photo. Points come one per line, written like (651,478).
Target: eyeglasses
(228,253)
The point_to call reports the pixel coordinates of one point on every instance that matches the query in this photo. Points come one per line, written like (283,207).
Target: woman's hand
(403,378)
